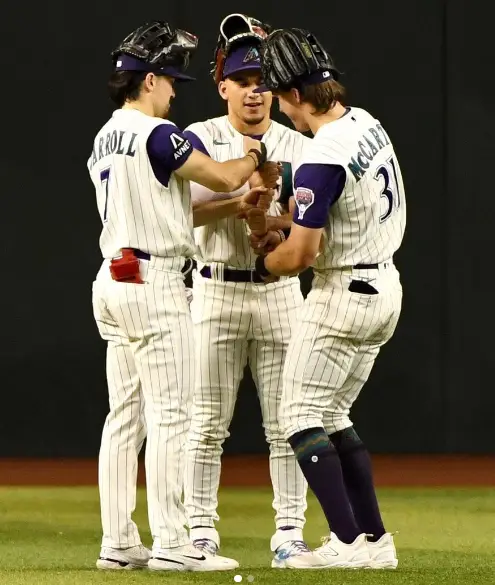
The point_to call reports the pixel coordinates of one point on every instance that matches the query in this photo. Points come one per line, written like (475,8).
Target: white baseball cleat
(135,557)
(291,552)
(296,554)
(383,553)
(206,544)
(189,558)
(346,556)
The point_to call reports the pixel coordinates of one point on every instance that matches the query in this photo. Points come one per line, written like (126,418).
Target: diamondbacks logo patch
(304,199)
(251,55)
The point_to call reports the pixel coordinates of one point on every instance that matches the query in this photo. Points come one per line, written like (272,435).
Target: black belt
(230,275)
(145,256)
(366,266)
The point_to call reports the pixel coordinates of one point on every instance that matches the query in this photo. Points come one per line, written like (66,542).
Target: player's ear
(296,96)
(149,81)
(222,90)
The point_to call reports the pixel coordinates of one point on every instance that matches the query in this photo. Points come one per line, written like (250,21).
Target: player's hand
(251,199)
(251,143)
(267,175)
(265,199)
(256,220)
(265,244)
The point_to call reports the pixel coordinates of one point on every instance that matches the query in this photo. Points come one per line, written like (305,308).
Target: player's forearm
(279,222)
(207,211)
(236,172)
(287,260)
(218,177)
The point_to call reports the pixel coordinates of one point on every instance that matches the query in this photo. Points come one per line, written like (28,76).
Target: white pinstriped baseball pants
(334,346)
(236,323)
(150,374)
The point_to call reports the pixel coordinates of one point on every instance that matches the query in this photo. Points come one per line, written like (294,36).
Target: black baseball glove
(287,55)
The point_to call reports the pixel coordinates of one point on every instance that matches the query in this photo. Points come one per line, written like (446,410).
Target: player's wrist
(252,155)
(260,266)
(260,155)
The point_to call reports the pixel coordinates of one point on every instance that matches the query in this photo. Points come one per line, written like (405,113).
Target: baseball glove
(234,29)
(157,43)
(288,55)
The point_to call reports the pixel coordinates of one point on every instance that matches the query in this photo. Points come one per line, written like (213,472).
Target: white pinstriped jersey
(226,240)
(137,211)
(366,224)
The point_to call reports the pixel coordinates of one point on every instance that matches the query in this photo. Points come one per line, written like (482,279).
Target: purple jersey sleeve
(316,188)
(196,142)
(168,149)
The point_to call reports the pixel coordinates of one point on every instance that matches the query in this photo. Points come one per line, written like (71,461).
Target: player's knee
(286,422)
(208,432)
(336,422)
(123,424)
(278,444)
(346,440)
(310,443)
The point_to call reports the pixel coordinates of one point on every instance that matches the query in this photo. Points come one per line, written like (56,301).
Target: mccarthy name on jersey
(350,184)
(371,143)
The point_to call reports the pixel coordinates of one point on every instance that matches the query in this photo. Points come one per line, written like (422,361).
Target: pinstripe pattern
(159,220)
(235,324)
(150,368)
(354,233)
(339,333)
(148,328)
(336,340)
(226,240)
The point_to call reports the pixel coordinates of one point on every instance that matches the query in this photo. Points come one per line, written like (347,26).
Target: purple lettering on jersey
(120,149)
(196,141)
(316,188)
(168,149)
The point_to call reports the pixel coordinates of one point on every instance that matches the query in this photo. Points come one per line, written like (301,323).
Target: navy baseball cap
(318,77)
(244,58)
(128,63)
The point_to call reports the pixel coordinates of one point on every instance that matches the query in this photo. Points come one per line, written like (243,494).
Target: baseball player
(349,221)
(238,320)
(141,165)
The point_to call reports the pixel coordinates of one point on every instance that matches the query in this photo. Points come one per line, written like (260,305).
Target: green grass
(52,535)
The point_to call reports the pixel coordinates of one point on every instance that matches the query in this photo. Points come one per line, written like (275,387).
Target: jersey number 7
(105,176)
(388,172)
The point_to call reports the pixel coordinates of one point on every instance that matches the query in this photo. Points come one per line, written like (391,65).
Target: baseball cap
(129,63)
(314,78)
(244,58)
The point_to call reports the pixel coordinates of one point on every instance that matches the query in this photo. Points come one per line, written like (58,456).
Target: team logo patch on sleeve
(304,199)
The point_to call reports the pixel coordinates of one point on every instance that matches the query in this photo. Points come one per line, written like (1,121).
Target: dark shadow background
(424,70)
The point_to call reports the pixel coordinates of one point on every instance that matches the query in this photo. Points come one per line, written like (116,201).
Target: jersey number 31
(390,191)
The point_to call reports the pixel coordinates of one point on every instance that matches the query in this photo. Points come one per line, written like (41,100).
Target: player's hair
(322,96)
(125,85)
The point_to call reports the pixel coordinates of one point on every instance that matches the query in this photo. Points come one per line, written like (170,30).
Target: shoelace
(205,544)
(298,547)
(324,540)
